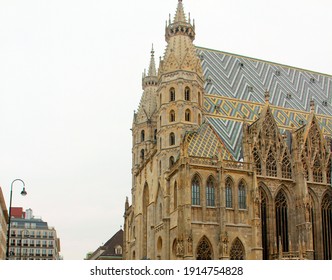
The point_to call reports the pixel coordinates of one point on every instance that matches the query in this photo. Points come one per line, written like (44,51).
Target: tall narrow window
(286,167)
(187,94)
(264,226)
(187,115)
(142,135)
(327,226)
(242,196)
(199,99)
(171,139)
(281,210)
(145,199)
(172,116)
(228,193)
(257,161)
(237,250)
(171,161)
(210,192)
(317,173)
(172,94)
(142,154)
(155,135)
(271,165)
(175,195)
(195,191)
(199,119)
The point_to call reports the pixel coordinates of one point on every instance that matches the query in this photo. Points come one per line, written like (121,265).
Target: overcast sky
(70,79)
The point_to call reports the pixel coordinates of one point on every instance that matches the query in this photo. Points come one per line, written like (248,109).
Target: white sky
(70,79)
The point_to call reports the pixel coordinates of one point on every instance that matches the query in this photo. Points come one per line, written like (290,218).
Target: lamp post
(24,193)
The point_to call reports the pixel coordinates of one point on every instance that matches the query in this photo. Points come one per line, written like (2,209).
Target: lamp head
(23,192)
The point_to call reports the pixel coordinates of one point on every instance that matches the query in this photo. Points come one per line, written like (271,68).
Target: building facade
(231,157)
(3,226)
(31,238)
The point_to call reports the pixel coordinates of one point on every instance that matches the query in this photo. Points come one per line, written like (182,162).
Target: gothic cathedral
(231,157)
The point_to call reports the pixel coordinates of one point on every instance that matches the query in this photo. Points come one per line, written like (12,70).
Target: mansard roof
(235,88)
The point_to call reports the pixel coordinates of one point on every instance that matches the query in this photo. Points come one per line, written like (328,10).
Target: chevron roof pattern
(205,143)
(236,85)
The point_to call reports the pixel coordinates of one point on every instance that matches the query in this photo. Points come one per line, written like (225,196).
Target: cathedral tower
(180,88)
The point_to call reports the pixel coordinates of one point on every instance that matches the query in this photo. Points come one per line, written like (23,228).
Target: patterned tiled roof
(235,87)
(205,143)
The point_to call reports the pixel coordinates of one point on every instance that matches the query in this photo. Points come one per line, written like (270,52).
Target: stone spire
(180,53)
(152,67)
(151,78)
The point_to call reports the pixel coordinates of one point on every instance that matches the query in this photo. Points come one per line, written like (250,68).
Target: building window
(195,191)
(228,193)
(242,196)
(317,173)
(210,192)
(187,115)
(204,250)
(171,161)
(286,168)
(142,136)
(172,116)
(172,139)
(187,94)
(271,165)
(281,210)
(118,250)
(142,154)
(237,250)
(172,94)
(199,119)
(264,226)
(327,226)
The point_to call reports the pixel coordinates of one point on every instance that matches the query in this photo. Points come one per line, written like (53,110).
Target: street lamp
(24,193)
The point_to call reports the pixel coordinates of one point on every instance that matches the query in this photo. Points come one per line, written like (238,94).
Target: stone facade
(193,198)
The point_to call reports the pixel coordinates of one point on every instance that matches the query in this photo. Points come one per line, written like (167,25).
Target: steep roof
(235,87)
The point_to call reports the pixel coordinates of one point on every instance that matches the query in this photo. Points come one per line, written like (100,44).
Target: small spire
(180,16)
(152,67)
(312,105)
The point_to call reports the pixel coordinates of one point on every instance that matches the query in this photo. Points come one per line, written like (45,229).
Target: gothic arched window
(286,168)
(237,250)
(264,226)
(187,94)
(195,191)
(187,115)
(257,161)
(142,154)
(242,196)
(317,173)
(142,135)
(281,210)
(172,116)
(210,192)
(172,94)
(171,139)
(229,193)
(204,250)
(327,226)
(271,165)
